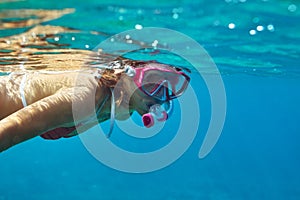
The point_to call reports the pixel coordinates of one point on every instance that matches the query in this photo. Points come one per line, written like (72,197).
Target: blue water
(257,155)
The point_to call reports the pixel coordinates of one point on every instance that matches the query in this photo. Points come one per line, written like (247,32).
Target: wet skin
(45,104)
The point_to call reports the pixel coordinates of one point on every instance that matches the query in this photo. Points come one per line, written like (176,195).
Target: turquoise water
(257,156)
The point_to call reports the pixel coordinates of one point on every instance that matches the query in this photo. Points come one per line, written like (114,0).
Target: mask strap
(112,114)
(129,71)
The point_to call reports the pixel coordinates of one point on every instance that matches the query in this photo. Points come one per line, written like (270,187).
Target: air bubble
(155,42)
(260,28)
(271,28)
(231,26)
(175,16)
(292,8)
(138,26)
(252,32)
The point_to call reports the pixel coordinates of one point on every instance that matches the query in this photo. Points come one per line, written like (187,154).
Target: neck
(103,113)
(103,103)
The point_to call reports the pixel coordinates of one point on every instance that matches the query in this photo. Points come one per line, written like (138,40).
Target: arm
(45,114)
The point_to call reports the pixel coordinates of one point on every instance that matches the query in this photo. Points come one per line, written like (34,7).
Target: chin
(122,117)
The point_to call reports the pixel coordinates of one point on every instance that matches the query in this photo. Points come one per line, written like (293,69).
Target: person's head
(138,85)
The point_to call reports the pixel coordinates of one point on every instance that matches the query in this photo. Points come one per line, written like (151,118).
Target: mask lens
(180,86)
(163,84)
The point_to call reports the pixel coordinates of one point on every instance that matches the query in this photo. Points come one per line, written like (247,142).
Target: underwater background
(255,45)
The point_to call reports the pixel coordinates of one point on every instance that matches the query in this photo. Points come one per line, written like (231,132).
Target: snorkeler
(41,103)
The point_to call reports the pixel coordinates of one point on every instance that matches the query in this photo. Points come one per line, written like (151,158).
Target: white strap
(112,113)
(22,93)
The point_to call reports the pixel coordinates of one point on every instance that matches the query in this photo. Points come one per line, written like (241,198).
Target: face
(133,99)
(142,102)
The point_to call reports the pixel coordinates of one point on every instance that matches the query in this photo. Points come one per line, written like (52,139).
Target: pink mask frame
(165,89)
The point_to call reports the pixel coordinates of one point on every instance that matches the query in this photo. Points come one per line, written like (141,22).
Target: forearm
(35,119)
(25,124)
(47,114)
(12,132)
(7,129)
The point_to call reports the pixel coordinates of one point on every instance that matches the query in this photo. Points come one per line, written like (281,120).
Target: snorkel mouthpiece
(156,113)
(148,120)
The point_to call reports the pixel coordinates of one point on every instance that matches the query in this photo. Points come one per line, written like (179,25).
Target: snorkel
(157,113)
